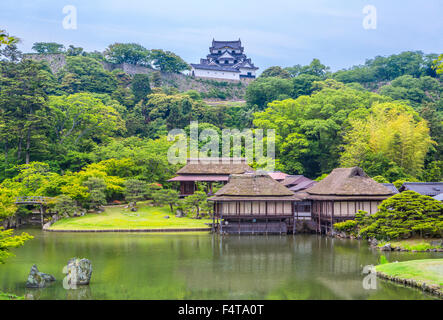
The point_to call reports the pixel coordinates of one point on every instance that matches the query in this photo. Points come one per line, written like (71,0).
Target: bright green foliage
(404,215)
(8,240)
(79,118)
(346,226)
(438,64)
(309,129)
(391,130)
(380,179)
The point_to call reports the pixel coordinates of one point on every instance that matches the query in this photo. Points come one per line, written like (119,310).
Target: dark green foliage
(135,190)
(275,71)
(48,47)
(86,74)
(168,61)
(131,53)
(404,215)
(140,87)
(97,196)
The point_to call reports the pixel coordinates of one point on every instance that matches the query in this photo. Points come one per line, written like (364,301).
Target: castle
(225,60)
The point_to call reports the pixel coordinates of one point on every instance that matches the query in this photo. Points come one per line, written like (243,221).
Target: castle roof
(231,44)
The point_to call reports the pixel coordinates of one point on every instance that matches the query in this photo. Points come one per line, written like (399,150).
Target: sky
(273,32)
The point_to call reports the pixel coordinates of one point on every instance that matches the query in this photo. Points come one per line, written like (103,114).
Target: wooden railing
(32,200)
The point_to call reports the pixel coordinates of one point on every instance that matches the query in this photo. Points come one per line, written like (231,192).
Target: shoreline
(130,230)
(422,285)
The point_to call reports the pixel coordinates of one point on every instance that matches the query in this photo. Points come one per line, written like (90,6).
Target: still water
(204,266)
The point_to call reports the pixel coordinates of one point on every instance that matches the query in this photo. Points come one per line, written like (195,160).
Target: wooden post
(213,217)
(41,214)
(221,217)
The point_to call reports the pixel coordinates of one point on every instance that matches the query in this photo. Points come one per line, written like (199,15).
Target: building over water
(226,60)
(254,203)
(344,192)
(208,170)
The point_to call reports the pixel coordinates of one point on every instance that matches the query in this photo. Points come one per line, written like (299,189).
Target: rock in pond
(37,279)
(79,271)
(386,247)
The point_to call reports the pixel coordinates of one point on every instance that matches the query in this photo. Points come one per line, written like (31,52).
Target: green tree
(8,240)
(168,61)
(48,47)
(65,206)
(85,74)
(404,215)
(22,106)
(140,86)
(195,202)
(166,197)
(131,53)
(135,190)
(393,130)
(96,187)
(275,71)
(262,91)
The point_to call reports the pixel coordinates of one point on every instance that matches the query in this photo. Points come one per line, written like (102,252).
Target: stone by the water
(79,271)
(37,279)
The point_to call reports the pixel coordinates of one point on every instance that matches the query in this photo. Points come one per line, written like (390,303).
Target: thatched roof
(348,182)
(213,166)
(253,186)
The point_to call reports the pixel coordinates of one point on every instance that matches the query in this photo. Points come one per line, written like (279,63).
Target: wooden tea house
(341,194)
(253,203)
(209,170)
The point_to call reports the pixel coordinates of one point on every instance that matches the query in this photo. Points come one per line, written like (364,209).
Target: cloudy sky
(273,32)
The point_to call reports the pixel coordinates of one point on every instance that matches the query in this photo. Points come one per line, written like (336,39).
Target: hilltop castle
(225,60)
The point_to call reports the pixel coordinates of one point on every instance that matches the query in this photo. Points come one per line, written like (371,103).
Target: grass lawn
(9,296)
(429,271)
(146,217)
(412,244)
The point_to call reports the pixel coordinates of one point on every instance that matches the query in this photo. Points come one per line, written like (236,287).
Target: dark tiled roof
(390,186)
(424,188)
(232,44)
(303,185)
(211,67)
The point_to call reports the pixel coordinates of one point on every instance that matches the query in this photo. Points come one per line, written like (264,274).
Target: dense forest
(85,129)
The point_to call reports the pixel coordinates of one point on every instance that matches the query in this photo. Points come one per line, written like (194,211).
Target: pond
(205,266)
